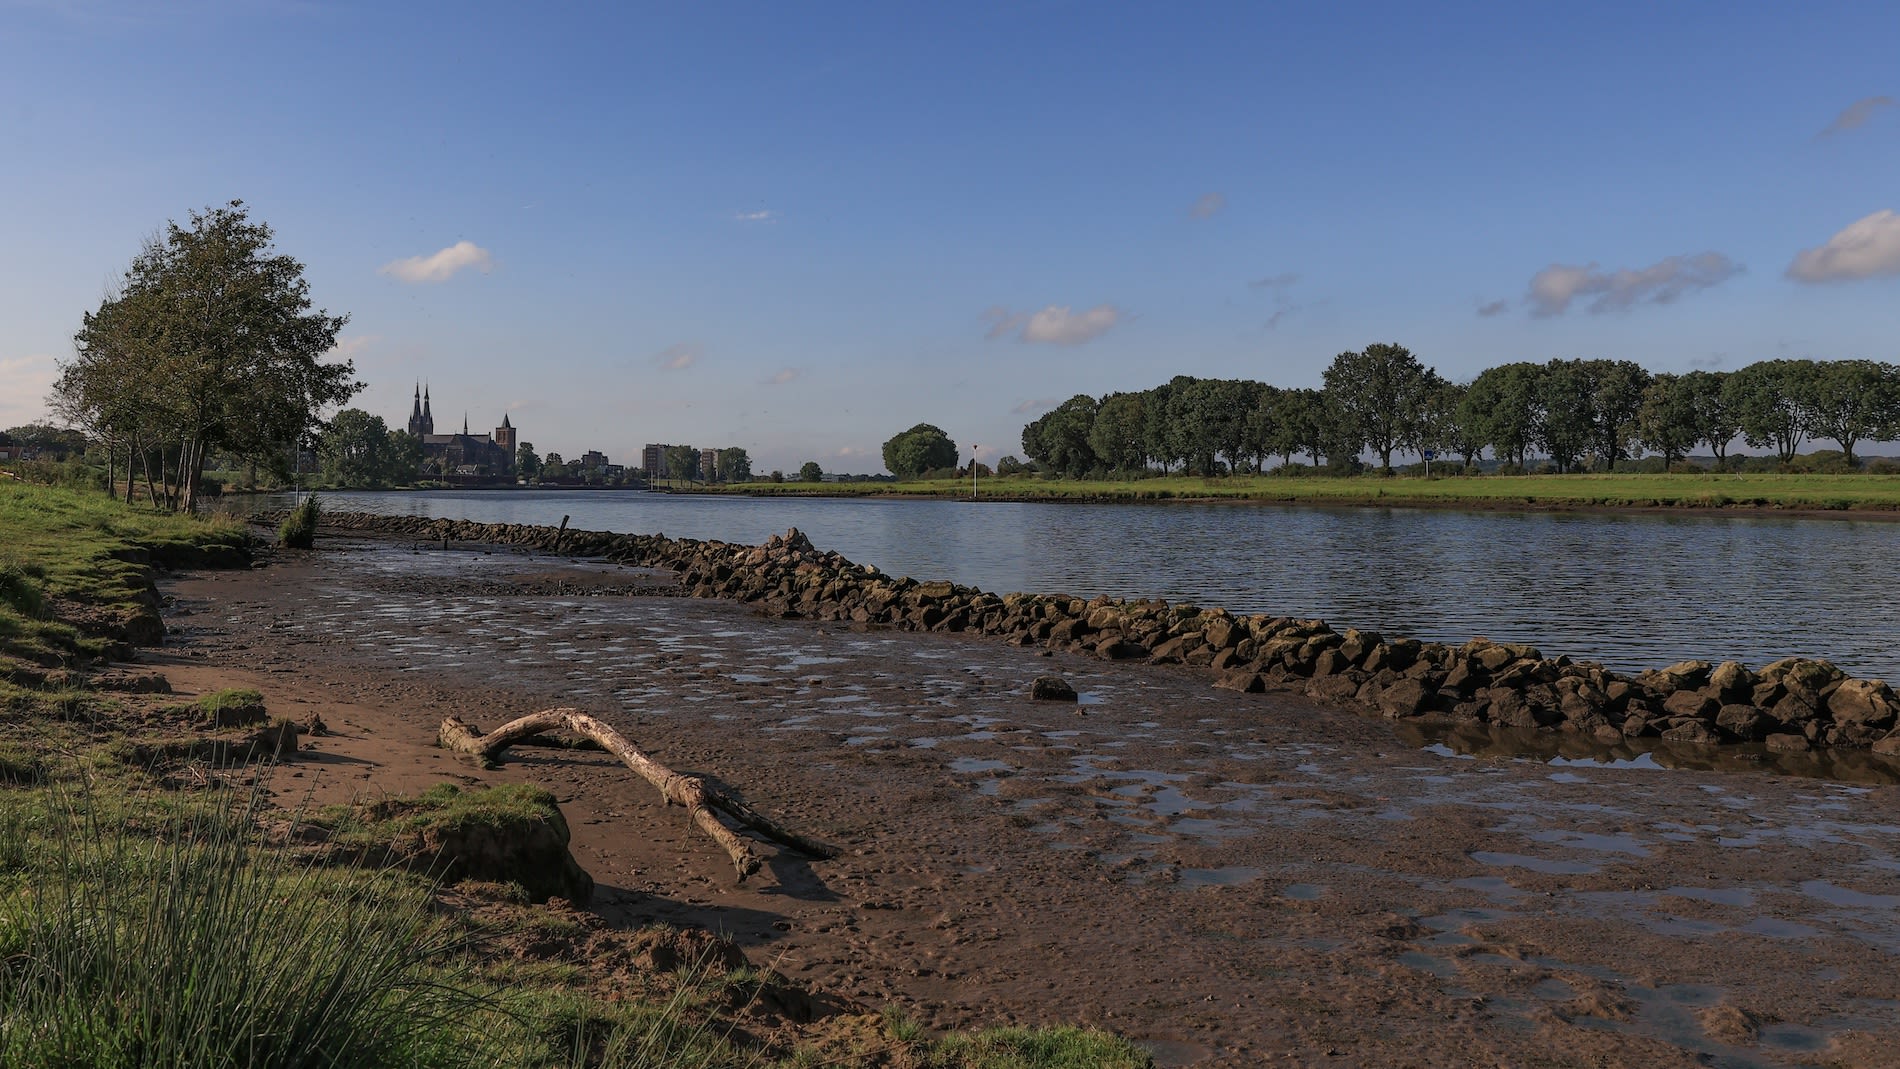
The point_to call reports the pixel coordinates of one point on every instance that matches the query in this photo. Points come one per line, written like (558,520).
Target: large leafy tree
(923,448)
(734,465)
(1567,420)
(1716,424)
(1059,439)
(1666,420)
(1849,401)
(1116,435)
(210,342)
(1766,399)
(1379,395)
(1616,393)
(356,450)
(810,472)
(1505,405)
(682,462)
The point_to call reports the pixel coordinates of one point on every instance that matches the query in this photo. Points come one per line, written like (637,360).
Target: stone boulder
(1051,689)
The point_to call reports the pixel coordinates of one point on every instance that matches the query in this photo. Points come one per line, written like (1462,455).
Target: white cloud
(1207,205)
(1868,248)
(1855,115)
(783,376)
(439,266)
(680,357)
(1054,325)
(29,379)
(763,215)
(1553,288)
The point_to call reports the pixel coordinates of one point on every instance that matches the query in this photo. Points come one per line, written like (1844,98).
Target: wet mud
(1233,879)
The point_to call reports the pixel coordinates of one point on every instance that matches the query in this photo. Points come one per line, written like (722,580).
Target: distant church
(461,454)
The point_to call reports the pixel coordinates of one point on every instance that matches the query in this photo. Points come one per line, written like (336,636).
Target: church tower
(423,422)
(505,439)
(415,414)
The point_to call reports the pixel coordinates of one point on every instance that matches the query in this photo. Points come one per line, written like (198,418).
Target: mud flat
(1236,879)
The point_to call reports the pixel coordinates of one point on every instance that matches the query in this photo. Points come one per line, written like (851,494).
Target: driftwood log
(701,799)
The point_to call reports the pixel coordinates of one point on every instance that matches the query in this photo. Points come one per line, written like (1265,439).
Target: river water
(1633,591)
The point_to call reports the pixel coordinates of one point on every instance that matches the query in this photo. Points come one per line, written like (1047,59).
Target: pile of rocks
(1791,705)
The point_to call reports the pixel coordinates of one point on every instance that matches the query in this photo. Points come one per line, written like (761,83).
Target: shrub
(300,530)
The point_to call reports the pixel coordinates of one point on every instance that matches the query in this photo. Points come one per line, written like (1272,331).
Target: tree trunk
(698,797)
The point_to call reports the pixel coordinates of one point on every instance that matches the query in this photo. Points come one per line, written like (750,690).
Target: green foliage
(299,530)
(358,450)
(918,450)
(1059,440)
(682,462)
(1766,400)
(734,465)
(1379,395)
(810,472)
(209,343)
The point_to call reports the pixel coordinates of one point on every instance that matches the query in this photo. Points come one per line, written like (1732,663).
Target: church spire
(415,410)
(425,404)
(465,423)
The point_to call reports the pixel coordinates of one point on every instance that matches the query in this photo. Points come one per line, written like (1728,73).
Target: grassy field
(1805,492)
(157,911)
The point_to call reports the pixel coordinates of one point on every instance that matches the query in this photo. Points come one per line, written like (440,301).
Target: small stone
(1051,689)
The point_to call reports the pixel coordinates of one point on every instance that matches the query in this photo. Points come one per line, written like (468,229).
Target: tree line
(1582,415)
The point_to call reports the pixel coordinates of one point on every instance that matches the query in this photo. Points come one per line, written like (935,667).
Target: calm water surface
(1633,591)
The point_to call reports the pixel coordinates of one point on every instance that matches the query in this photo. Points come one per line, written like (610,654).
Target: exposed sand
(1236,879)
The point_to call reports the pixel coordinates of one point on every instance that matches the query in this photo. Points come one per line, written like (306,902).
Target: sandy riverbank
(1239,879)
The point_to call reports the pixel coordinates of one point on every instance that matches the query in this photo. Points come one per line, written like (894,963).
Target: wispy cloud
(783,376)
(1207,205)
(1867,248)
(1855,115)
(440,266)
(761,215)
(351,346)
(1554,288)
(1035,405)
(29,379)
(1054,325)
(679,357)
(1279,286)
(1493,308)
(1713,360)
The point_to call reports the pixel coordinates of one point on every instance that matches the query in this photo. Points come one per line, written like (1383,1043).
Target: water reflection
(1631,590)
(1563,748)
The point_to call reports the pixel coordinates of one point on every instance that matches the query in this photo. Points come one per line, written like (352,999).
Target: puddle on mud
(1548,866)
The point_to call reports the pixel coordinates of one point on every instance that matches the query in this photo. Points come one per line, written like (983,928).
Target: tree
(810,472)
(1765,397)
(1568,416)
(1505,404)
(1849,401)
(734,465)
(355,450)
(1060,438)
(1452,426)
(1666,420)
(1379,394)
(682,462)
(527,463)
(1010,465)
(213,332)
(1712,416)
(1616,392)
(553,467)
(922,448)
(1115,437)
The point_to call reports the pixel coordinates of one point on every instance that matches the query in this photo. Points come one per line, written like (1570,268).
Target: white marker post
(973,450)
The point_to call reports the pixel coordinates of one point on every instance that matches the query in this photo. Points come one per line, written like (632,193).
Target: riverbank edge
(1791,707)
(1880,511)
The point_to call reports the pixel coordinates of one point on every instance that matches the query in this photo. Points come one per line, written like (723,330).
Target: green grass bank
(1808,493)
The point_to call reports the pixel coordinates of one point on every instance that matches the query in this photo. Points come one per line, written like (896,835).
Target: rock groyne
(1791,706)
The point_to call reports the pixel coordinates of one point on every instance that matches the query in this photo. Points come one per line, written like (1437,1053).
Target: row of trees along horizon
(1582,415)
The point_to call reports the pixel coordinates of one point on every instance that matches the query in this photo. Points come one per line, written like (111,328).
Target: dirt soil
(1234,880)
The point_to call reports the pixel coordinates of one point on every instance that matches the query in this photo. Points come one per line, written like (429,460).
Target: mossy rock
(512,833)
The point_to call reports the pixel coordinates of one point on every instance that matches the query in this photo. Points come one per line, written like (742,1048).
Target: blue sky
(801,228)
